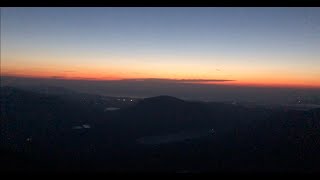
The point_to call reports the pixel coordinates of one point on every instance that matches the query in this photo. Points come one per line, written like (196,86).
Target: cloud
(57,77)
(164,80)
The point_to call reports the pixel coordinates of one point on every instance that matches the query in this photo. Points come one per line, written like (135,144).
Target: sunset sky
(251,46)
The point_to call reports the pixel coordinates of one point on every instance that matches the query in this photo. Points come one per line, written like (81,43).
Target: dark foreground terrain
(54,129)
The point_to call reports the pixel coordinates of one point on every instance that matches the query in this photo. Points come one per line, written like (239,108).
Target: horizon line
(219,82)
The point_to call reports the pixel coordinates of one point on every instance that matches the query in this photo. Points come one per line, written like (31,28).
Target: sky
(231,46)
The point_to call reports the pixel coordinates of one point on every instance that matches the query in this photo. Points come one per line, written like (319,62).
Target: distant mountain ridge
(250,134)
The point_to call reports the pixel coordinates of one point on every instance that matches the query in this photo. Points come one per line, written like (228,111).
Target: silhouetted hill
(163,114)
(164,100)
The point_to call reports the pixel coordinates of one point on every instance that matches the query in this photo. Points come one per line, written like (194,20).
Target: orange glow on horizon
(253,77)
(92,76)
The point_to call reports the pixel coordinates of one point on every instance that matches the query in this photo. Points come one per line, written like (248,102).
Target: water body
(84,126)
(111,109)
(177,137)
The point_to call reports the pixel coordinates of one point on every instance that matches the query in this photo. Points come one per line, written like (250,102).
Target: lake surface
(176,137)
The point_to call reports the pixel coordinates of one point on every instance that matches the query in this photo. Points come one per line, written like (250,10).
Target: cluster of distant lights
(124,100)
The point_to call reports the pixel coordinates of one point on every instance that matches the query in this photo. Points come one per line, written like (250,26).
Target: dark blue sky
(164,42)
